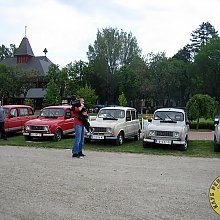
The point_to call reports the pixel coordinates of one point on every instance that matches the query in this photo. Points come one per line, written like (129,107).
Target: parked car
(54,122)
(169,126)
(115,123)
(217,134)
(16,116)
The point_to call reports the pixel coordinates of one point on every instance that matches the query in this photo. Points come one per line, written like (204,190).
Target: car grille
(37,128)
(164,133)
(99,130)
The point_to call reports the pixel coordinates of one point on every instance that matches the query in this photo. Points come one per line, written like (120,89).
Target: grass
(196,148)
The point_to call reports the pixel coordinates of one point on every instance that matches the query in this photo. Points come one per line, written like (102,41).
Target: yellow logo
(214,195)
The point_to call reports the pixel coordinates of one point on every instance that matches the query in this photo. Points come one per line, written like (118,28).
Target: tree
(202,35)
(201,106)
(7,52)
(52,97)
(111,50)
(88,94)
(207,63)
(122,100)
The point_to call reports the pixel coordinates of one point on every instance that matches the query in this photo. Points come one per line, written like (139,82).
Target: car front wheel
(57,135)
(184,146)
(120,139)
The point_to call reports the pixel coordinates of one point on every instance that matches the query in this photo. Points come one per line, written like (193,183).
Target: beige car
(169,126)
(115,123)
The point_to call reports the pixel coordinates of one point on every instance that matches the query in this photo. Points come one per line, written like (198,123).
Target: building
(24,58)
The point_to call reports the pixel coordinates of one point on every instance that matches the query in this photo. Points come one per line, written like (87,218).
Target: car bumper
(37,134)
(100,137)
(162,141)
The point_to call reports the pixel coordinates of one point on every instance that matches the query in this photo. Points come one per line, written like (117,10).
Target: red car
(16,116)
(53,122)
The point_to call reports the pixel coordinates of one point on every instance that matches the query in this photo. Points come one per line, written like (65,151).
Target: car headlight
(27,127)
(151,133)
(176,134)
(108,130)
(46,128)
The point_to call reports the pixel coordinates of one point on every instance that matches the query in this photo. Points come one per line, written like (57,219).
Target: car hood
(165,127)
(104,124)
(45,121)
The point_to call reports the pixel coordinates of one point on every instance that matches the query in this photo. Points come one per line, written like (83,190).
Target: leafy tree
(111,50)
(122,100)
(184,54)
(207,63)
(6,52)
(52,97)
(201,106)
(88,94)
(201,36)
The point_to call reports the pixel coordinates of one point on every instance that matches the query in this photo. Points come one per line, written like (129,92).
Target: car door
(24,115)
(68,122)
(13,122)
(135,122)
(129,124)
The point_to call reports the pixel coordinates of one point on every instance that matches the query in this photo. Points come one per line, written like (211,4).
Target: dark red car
(16,116)
(53,122)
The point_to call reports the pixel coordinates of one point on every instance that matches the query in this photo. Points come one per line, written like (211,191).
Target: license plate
(35,134)
(162,142)
(97,137)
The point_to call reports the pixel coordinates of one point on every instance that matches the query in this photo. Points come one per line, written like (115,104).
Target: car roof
(119,108)
(58,106)
(171,110)
(16,106)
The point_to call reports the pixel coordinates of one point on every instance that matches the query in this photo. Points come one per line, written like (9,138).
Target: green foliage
(111,50)
(29,102)
(201,106)
(88,94)
(122,100)
(6,52)
(52,97)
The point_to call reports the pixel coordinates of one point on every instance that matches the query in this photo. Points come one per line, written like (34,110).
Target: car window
(31,111)
(128,116)
(108,113)
(169,115)
(52,112)
(5,110)
(133,114)
(68,113)
(14,112)
(23,111)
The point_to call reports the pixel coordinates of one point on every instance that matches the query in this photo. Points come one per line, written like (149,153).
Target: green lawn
(196,148)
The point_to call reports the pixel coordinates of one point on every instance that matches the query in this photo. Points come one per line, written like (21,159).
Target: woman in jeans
(79,131)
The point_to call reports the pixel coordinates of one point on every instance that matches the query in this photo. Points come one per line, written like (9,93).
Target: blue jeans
(79,139)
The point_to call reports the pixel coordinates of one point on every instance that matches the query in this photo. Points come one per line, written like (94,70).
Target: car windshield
(111,113)
(52,112)
(168,115)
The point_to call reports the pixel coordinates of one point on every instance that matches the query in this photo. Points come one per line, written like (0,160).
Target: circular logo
(214,195)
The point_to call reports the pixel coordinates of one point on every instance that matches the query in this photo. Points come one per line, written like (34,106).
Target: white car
(115,123)
(169,126)
(217,135)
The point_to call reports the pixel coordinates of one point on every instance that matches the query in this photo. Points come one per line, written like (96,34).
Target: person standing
(79,131)
(2,123)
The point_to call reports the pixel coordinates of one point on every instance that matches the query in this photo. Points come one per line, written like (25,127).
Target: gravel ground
(47,184)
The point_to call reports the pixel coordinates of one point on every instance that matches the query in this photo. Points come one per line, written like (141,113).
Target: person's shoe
(75,155)
(81,154)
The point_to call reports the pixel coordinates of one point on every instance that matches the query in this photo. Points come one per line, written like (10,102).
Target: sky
(67,27)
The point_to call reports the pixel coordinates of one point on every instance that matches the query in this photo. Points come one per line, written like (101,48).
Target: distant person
(2,123)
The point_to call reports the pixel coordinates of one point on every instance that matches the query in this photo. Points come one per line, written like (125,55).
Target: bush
(203,124)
